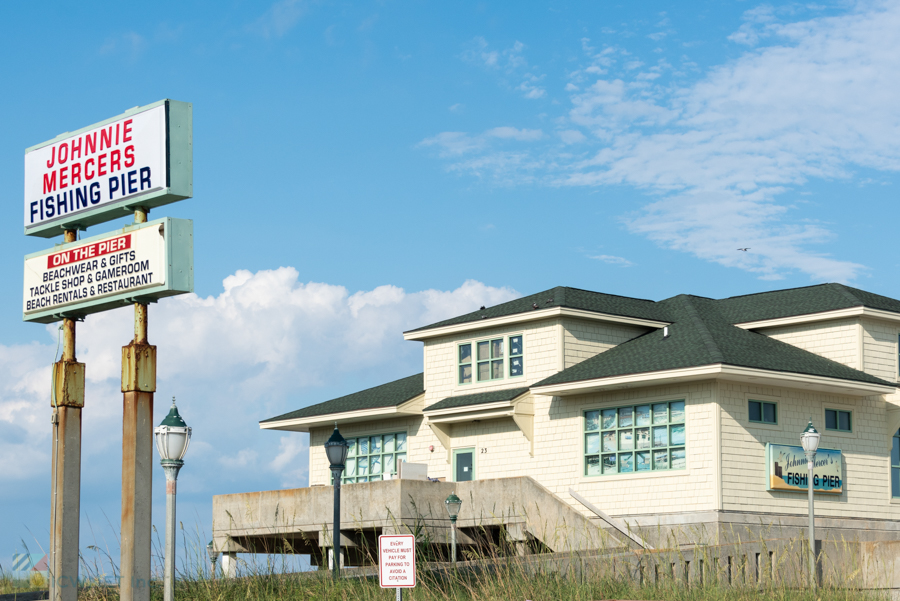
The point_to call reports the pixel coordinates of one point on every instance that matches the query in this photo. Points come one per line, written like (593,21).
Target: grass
(492,573)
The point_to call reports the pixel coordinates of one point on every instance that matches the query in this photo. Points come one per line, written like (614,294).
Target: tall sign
(141,262)
(141,158)
(787,469)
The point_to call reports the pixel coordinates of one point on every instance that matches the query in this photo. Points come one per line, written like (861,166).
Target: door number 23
(483,450)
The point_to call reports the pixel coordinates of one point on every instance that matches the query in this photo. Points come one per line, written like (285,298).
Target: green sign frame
(179,268)
(179,172)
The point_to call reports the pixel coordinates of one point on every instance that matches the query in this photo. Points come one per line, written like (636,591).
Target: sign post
(133,162)
(397,562)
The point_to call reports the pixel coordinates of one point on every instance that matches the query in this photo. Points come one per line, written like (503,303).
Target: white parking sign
(397,560)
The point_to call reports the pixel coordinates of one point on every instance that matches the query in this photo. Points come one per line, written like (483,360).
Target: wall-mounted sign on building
(145,261)
(787,469)
(143,157)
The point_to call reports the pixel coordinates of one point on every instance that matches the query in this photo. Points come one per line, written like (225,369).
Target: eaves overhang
(474,412)
(718,371)
(303,424)
(821,316)
(528,316)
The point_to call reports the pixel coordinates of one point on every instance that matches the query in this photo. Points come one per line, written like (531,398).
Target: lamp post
(453,504)
(172,439)
(336,450)
(213,556)
(810,441)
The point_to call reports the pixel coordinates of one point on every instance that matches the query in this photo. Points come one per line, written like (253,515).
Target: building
(675,414)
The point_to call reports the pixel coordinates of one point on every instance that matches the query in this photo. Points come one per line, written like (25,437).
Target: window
(490,362)
(370,457)
(895,465)
(634,439)
(762,412)
(838,420)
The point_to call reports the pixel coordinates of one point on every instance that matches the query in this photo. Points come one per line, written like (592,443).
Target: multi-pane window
(516,358)
(637,438)
(371,457)
(762,412)
(895,465)
(838,420)
(489,360)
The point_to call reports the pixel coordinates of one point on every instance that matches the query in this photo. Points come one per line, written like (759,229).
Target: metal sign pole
(399,594)
(138,386)
(67,401)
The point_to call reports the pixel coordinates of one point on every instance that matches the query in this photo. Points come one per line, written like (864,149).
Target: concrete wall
(583,339)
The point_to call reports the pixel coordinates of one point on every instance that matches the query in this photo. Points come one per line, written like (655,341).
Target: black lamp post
(453,504)
(336,450)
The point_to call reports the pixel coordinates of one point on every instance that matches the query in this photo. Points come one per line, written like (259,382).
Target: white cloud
(511,62)
(815,99)
(511,133)
(613,260)
(263,346)
(457,143)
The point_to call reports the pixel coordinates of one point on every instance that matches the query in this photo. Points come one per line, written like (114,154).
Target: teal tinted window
(635,438)
(371,457)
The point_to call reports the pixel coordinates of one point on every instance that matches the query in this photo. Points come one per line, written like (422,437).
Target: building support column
(138,386)
(67,401)
(229,564)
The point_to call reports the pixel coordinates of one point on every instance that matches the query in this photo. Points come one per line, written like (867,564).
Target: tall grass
(493,571)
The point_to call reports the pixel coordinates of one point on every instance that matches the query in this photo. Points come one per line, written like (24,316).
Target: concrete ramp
(517,511)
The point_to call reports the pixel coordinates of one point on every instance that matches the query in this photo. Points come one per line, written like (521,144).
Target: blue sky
(365,168)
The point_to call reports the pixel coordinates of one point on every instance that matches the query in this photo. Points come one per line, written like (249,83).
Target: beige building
(658,413)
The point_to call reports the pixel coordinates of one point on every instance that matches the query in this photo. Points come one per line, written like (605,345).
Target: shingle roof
(480,398)
(801,301)
(387,395)
(701,335)
(562,296)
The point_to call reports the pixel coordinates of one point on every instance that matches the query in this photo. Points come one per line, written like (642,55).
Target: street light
(213,556)
(453,504)
(810,441)
(172,439)
(336,450)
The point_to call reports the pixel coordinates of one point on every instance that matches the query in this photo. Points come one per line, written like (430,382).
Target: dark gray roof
(801,301)
(701,335)
(561,296)
(387,395)
(480,398)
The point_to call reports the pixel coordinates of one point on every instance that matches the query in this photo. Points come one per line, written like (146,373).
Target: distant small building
(658,413)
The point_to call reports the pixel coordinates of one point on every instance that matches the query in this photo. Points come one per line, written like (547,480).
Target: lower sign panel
(139,263)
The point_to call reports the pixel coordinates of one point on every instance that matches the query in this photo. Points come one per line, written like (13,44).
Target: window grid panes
(838,420)
(494,359)
(370,458)
(636,438)
(762,412)
(895,465)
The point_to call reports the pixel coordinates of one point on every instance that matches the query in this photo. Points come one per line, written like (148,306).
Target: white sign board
(397,560)
(120,160)
(84,277)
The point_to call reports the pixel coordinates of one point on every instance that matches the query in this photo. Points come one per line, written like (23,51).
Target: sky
(365,168)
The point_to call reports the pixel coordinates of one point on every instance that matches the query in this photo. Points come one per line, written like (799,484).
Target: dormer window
(491,360)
